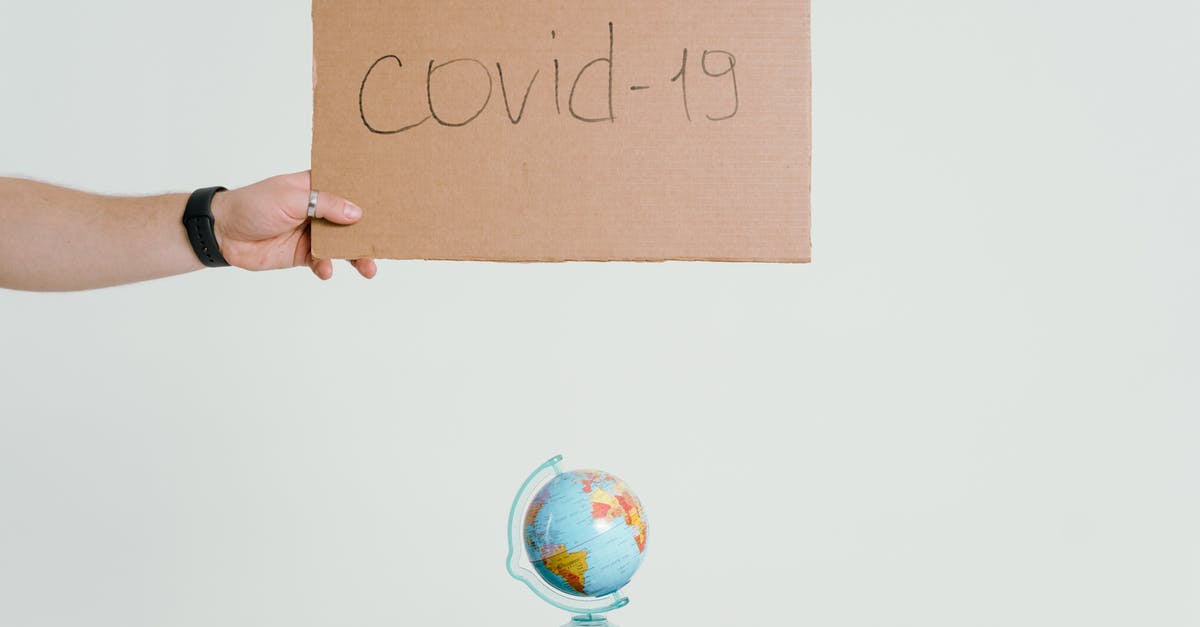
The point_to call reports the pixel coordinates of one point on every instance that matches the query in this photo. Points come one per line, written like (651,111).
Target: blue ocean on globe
(585,533)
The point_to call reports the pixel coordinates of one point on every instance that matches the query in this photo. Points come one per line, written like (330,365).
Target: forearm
(53,238)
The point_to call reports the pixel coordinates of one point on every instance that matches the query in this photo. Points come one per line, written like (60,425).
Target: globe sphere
(585,533)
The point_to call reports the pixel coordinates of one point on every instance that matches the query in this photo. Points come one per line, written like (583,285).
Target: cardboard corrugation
(418,118)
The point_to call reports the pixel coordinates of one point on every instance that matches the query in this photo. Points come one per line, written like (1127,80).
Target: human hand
(265,226)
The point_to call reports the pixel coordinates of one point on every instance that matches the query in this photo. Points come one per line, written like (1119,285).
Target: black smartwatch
(198,221)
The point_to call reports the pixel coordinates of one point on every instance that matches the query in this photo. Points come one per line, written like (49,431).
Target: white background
(978,406)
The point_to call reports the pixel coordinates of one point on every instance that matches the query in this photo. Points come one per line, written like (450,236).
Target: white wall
(978,406)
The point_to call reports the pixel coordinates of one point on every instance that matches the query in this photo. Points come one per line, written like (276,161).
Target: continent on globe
(570,565)
(633,517)
(588,477)
(605,507)
(609,507)
(534,508)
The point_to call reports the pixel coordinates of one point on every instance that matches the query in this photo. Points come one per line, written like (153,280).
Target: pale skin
(58,239)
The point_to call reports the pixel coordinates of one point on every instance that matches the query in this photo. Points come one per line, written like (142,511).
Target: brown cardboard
(497,160)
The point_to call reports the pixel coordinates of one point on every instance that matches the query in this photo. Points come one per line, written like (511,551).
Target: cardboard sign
(552,130)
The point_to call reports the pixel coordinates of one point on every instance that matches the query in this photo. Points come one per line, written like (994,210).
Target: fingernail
(352,211)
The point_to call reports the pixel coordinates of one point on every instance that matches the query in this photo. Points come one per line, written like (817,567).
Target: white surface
(978,406)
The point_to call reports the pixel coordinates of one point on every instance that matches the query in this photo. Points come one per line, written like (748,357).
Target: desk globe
(575,538)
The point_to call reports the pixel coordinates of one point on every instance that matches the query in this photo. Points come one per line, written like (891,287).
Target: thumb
(337,209)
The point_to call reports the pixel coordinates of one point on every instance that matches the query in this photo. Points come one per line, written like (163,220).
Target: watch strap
(198,221)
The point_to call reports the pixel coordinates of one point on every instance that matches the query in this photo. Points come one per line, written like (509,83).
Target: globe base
(589,620)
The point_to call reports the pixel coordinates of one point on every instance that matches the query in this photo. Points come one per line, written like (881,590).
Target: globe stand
(587,610)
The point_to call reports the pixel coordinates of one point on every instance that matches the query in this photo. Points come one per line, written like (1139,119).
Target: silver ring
(312,204)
